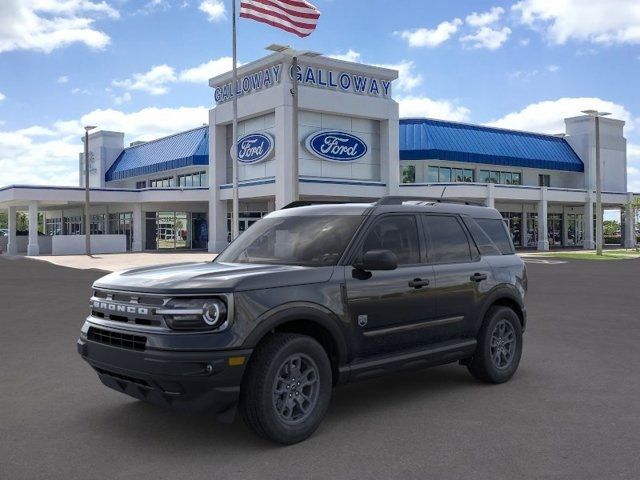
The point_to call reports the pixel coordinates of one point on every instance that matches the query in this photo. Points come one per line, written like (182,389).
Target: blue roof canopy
(183,149)
(427,139)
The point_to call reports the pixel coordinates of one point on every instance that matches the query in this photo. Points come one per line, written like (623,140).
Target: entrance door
(387,309)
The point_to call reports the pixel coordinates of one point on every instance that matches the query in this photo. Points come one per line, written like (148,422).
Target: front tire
(499,346)
(287,388)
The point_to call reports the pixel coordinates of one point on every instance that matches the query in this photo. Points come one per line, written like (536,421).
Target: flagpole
(295,194)
(235,220)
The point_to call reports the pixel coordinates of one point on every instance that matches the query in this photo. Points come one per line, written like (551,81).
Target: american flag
(295,16)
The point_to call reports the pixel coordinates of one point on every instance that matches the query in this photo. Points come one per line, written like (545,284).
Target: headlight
(194,313)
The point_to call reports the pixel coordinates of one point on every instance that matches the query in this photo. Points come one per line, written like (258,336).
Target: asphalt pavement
(571,412)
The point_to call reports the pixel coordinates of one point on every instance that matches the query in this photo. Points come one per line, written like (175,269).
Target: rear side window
(497,232)
(447,240)
(484,243)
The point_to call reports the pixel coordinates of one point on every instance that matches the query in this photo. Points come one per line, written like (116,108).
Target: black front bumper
(192,381)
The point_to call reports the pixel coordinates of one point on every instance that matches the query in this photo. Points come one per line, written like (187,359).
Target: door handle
(478,277)
(418,283)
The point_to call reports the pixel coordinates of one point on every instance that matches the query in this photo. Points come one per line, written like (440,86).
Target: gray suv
(310,297)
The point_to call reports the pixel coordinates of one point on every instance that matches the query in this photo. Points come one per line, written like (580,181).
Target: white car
(4,232)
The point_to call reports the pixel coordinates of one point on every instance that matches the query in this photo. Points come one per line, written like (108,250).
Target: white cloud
(203,72)
(82,91)
(423,37)
(415,106)
(154,81)
(2,96)
(553,68)
(349,56)
(548,116)
(597,21)
(486,18)
(526,75)
(49,154)
(214,9)
(525,42)
(45,25)
(63,79)
(488,38)
(124,98)
(407,78)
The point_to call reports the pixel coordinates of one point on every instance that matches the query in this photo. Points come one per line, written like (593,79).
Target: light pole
(87,217)
(596,114)
(294,54)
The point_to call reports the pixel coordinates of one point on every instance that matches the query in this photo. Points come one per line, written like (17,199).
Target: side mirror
(377,260)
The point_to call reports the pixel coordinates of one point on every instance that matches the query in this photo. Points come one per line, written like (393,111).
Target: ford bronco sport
(308,298)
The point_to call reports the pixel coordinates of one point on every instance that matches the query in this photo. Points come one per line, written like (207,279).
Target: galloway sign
(264,78)
(255,147)
(336,146)
(312,76)
(342,81)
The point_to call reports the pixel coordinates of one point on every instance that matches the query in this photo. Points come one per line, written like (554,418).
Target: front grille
(117,339)
(128,308)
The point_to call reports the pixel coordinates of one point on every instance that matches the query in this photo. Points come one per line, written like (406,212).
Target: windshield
(314,240)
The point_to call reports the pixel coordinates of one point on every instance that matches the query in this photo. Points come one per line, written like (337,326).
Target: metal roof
(428,139)
(175,151)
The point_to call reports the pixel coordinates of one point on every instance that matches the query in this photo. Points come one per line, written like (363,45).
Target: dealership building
(176,192)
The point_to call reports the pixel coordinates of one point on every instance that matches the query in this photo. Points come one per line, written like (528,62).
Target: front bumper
(191,381)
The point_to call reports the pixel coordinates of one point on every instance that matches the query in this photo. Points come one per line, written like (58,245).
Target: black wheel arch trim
(300,311)
(503,293)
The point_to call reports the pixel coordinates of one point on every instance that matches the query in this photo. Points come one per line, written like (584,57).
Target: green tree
(611,228)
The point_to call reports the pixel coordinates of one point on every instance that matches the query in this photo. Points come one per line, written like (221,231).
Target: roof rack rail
(399,200)
(307,203)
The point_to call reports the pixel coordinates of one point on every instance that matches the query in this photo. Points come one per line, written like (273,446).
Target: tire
(499,346)
(275,404)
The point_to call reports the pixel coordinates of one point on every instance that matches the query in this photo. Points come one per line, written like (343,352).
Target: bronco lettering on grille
(119,308)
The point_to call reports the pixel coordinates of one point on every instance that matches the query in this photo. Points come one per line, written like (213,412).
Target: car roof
(395,206)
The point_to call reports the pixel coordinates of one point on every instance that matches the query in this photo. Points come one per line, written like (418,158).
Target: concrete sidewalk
(121,261)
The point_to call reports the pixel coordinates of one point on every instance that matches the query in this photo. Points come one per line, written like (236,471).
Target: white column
(543,236)
(490,200)
(284,156)
(32,247)
(136,244)
(589,242)
(390,152)
(630,224)
(12,246)
(565,227)
(218,209)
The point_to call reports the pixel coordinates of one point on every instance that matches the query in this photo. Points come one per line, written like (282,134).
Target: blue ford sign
(336,146)
(255,147)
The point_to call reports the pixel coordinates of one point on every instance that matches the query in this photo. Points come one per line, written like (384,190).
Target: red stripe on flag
(274,24)
(273,13)
(294,16)
(293,13)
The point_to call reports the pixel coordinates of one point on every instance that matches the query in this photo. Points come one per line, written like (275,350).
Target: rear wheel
(499,346)
(287,388)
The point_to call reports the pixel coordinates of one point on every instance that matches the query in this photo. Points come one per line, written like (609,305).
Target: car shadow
(147,426)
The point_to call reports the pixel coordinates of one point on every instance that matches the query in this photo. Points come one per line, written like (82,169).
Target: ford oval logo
(255,147)
(336,146)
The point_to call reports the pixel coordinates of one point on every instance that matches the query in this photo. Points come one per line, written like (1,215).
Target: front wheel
(287,388)
(499,346)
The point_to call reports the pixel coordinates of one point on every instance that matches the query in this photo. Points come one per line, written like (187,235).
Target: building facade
(175,192)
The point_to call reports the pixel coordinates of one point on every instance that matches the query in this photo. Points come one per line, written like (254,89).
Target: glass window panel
(432,174)
(516,179)
(485,176)
(398,234)
(204,179)
(447,240)
(457,175)
(497,231)
(409,174)
(445,174)
(468,175)
(505,178)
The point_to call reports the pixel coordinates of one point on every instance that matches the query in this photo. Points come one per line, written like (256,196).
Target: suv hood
(211,277)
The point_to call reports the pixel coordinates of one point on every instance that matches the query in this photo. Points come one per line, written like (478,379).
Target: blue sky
(142,66)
